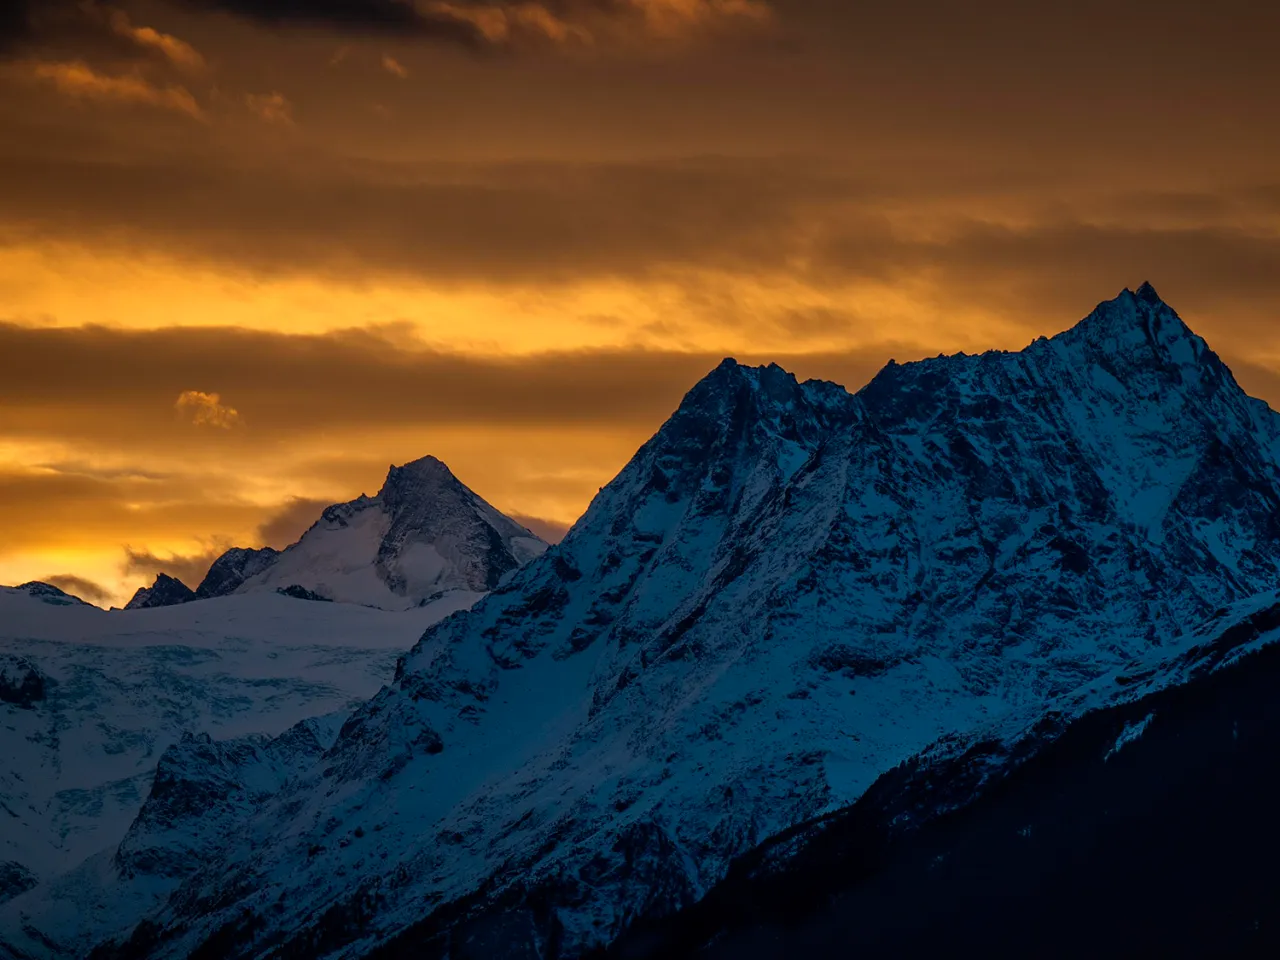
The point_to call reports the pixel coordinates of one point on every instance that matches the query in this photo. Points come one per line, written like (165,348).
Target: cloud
(189,568)
(206,410)
(507,23)
(290,522)
(42,510)
(79,80)
(394,67)
(178,52)
(80,587)
(272,107)
(515,222)
(328,381)
(552,531)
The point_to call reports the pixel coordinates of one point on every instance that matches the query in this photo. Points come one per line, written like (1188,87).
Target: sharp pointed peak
(1147,293)
(166,579)
(428,469)
(427,464)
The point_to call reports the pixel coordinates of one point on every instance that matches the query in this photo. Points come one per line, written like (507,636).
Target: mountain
(91,700)
(47,593)
(164,592)
(229,572)
(424,535)
(789,591)
(1142,826)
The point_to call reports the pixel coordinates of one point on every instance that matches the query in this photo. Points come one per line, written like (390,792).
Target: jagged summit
(233,568)
(1139,326)
(164,592)
(1148,293)
(787,591)
(424,535)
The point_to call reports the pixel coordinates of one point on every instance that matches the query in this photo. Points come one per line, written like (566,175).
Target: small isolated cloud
(272,107)
(189,568)
(77,79)
(80,587)
(207,410)
(290,522)
(178,52)
(394,67)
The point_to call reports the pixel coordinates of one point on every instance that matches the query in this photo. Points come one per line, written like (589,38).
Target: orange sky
(513,234)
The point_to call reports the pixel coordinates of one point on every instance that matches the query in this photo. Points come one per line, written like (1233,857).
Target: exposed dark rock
(165,592)
(15,879)
(302,593)
(21,682)
(233,568)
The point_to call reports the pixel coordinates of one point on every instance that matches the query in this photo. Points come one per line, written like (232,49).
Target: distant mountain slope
(788,591)
(424,535)
(90,699)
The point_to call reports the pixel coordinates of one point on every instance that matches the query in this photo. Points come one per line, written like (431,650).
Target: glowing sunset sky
(251,253)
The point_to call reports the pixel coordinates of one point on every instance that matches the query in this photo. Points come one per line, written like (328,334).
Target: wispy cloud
(178,52)
(80,587)
(189,568)
(272,107)
(512,23)
(394,67)
(78,79)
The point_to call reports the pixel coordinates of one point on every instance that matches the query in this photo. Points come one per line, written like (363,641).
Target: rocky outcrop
(233,568)
(165,592)
(21,682)
(14,879)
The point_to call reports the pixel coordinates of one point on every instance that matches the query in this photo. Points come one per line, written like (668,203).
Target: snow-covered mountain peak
(424,535)
(1137,350)
(788,590)
(47,593)
(1139,328)
(426,475)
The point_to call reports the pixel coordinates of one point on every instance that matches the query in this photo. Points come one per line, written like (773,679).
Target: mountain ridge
(786,592)
(439,536)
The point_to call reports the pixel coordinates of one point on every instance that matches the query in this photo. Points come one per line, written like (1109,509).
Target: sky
(252,253)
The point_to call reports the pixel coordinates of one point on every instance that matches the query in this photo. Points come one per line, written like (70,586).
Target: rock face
(165,592)
(424,535)
(21,682)
(233,568)
(786,593)
(14,879)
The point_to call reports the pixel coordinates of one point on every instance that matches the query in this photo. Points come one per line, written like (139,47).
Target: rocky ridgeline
(786,593)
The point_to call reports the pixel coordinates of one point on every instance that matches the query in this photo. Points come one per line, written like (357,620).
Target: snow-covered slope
(424,535)
(1135,817)
(785,593)
(90,699)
